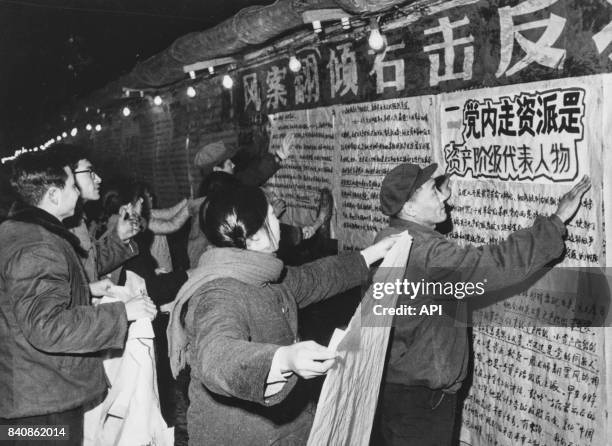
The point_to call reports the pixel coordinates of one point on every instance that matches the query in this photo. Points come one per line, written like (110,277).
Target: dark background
(53,52)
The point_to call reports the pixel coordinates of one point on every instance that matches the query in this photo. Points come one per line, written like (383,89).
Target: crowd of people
(227,341)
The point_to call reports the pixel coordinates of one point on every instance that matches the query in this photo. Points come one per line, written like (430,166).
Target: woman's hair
(235,215)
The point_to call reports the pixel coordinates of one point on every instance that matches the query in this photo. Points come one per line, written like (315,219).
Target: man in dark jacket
(428,357)
(112,249)
(49,332)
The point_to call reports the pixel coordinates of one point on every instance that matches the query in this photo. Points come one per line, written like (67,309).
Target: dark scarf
(31,214)
(251,267)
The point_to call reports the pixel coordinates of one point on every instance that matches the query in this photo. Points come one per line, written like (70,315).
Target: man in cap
(217,157)
(428,357)
(215,163)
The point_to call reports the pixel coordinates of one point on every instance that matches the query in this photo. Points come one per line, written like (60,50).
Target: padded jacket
(50,335)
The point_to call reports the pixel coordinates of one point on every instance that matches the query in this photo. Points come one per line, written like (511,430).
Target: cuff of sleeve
(556,221)
(276,378)
(121,323)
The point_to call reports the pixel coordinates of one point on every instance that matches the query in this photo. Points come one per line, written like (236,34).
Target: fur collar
(34,215)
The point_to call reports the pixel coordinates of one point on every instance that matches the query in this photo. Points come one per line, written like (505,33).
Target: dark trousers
(72,418)
(181,436)
(416,416)
(173,394)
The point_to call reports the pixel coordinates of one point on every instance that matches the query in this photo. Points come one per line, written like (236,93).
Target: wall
(512,99)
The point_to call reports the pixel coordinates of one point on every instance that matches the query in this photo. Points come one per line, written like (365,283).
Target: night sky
(56,51)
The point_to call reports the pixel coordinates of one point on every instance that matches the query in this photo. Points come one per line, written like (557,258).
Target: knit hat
(400,183)
(212,154)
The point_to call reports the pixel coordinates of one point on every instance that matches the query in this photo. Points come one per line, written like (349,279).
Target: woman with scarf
(240,333)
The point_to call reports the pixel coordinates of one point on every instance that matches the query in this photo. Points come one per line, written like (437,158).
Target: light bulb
(376,39)
(316,25)
(73,132)
(192,74)
(58,138)
(157,100)
(211,70)
(228,82)
(88,127)
(191,92)
(126,111)
(64,135)
(98,127)
(346,23)
(294,64)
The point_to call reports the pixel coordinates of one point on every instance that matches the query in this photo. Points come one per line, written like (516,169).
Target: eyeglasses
(91,172)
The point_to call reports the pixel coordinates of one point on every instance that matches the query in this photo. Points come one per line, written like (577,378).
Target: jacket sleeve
(326,277)
(168,213)
(227,362)
(258,173)
(168,224)
(111,252)
(39,288)
(498,265)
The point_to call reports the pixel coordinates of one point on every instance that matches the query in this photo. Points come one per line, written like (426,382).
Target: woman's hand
(306,359)
(380,249)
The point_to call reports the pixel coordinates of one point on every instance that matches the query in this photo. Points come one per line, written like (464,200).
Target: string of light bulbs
(60,137)
(376,40)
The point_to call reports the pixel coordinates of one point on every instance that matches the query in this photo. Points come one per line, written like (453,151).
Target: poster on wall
(311,164)
(512,153)
(607,211)
(349,149)
(372,138)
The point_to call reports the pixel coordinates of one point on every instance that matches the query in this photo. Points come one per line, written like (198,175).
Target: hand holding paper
(307,359)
